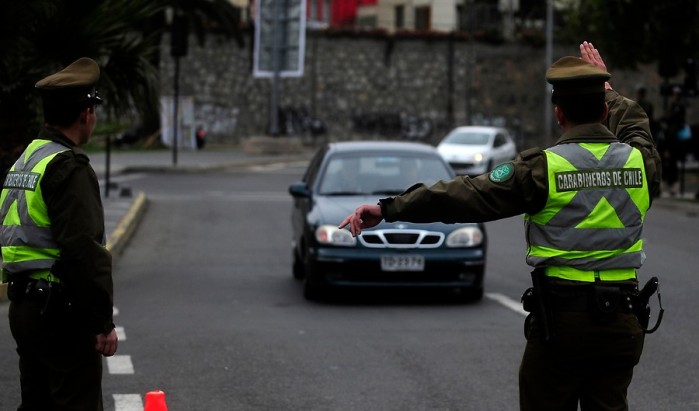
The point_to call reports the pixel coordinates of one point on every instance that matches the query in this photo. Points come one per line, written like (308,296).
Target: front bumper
(362,267)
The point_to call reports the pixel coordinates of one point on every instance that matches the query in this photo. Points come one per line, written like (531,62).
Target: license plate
(402,263)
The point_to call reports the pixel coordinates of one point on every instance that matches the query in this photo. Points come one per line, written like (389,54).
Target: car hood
(334,209)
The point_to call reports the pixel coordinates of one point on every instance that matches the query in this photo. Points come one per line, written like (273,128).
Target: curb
(119,237)
(127,225)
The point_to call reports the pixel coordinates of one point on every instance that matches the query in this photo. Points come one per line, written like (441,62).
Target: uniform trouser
(588,362)
(59,367)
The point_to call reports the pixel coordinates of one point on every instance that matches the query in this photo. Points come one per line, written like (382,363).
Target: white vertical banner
(185,118)
(287,20)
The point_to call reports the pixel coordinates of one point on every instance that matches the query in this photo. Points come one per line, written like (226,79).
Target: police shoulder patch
(502,173)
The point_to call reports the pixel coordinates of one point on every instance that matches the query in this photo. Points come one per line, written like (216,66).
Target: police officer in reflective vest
(584,201)
(58,270)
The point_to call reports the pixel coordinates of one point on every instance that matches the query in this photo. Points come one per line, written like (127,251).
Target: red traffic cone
(155,401)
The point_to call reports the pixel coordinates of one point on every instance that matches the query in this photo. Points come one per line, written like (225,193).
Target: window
(400,17)
(461,18)
(500,140)
(422,18)
(367,21)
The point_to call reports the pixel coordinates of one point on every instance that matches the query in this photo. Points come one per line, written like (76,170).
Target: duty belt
(593,298)
(34,284)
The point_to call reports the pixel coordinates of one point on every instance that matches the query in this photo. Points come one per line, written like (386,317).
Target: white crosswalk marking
(121,334)
(120,364)
(127,402)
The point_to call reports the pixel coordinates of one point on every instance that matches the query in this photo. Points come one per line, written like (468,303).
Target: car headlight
(329,234)
(465,237)
(478,157)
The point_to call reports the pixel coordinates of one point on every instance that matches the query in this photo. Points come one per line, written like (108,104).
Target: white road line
(508,302)
(120,364)
(127,402)
(121,334)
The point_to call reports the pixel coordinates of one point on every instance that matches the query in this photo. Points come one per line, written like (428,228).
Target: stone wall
(380,88)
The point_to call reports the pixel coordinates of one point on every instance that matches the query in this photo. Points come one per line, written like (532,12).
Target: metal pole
(274,111)
(450,80)
(107,164)
(470,62)
(549,58)
(175,109)
(314,74)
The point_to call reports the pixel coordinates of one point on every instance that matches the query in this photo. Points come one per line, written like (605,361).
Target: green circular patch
(502,173)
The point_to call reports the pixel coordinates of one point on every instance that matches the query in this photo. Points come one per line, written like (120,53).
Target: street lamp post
(549,59)
(178,48)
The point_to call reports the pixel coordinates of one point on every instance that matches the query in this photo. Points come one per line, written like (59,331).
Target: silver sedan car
(474,150)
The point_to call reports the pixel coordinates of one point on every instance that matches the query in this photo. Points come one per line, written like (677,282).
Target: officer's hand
(107,343)
(365,216)
(589,53)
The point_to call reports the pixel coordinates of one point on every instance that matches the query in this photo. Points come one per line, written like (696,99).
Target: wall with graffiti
(378,88)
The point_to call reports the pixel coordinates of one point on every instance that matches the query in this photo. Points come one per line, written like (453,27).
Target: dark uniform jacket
(479,199)
(71,192)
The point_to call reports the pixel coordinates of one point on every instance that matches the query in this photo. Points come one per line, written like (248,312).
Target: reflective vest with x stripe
(25,234)
(591,227)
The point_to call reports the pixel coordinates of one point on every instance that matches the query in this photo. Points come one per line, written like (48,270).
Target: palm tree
(205,16)
(123,36)
(41,36)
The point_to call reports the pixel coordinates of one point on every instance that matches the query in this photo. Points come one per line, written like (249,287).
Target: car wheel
(297,266)
(470,294)
(311,291)
(313,288)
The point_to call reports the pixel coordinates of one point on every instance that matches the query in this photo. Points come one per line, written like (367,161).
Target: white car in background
(474,150)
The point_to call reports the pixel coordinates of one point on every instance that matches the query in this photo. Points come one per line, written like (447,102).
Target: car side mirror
(299,189)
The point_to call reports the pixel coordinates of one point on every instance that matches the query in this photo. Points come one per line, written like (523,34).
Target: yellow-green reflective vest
(25,234)
(592,223)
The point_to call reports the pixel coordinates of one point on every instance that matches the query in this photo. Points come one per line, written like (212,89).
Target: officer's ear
(85,114)
(560,117)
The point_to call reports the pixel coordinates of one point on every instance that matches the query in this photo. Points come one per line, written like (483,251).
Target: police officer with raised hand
(584,201)
(58,269)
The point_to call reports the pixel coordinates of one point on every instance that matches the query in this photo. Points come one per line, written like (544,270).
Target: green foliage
(637,31)
(210,15)
(38,37)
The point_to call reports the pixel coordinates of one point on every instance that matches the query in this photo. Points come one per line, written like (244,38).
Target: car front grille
(401,239)
(461,165)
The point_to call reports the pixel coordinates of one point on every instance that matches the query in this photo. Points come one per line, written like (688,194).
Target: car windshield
(388,174)
(469,138)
